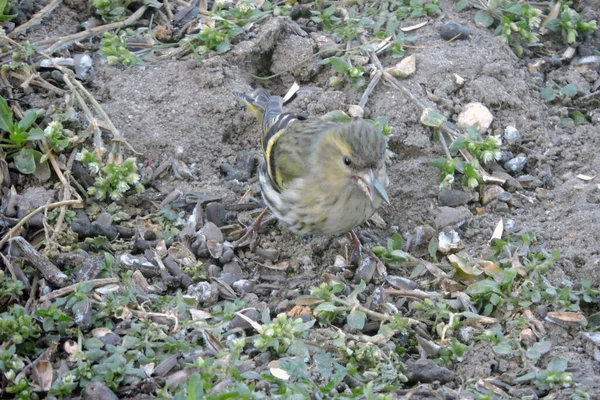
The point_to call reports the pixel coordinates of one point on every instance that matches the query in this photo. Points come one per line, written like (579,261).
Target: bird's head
(353,153)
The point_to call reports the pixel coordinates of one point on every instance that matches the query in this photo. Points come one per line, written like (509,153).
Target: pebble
(423,233)
(243,286)
(475,113)
(215,213)
(510,225)
(365,270)
(240,323)
(227,256)
(490,193)
(82,224)
(108,231)
(427,371)
(452,216)
(516,165)
(512,136)
(505,156)
(204,292)
(453,198)
(231,272)
(448,241)
(213,271)
(267,254)
(452,29)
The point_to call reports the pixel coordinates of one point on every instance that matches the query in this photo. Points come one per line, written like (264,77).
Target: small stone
(213,271)
(204,292)
(215,248)
(231,272)
(82,224)
(509,225)
(453,198)
(240,323)
(465,334)
(448,241)
(215,213)
(108,231)
(243,286)
(501,207)
(505,197)
(490,193)
(427,371)
(450,216)
(267,254)
(475,113)
(111,338)
(453,30)
(423,234)
(529,182)
(365,270)
(516,165)
(150,235)
(505,156)
(512,136)
(227,256)
(356,111)
(405,68)
(212,232)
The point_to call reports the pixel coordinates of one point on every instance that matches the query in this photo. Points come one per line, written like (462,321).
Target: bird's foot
(356,256)
(250,233)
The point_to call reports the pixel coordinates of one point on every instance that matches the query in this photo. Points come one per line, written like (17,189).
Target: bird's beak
(372,185)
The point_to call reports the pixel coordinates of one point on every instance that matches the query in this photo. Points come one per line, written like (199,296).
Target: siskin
(318,177)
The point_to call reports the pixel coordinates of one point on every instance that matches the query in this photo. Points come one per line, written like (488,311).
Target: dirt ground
(185,109)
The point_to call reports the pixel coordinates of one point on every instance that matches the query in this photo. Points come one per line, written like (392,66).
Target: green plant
(17,327)
(554,375)
(113,48)
(485,150)
(281,333)
(448,166)
(393,254)
(519,23)
(417,8)
(112,180)
(550,94)
(21,134)
(354,74)
(4,9)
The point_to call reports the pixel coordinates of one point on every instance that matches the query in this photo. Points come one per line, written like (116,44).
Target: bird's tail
(257,101)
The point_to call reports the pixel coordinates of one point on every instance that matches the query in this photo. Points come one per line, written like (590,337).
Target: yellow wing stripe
(268,153)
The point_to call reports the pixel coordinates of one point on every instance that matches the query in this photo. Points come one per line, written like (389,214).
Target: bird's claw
(249,238)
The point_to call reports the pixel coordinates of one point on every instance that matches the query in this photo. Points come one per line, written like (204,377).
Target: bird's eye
(347,160)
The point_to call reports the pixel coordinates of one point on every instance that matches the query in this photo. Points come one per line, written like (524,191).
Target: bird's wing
(288,151)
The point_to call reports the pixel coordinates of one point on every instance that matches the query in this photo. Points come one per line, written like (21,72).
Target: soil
(185,109)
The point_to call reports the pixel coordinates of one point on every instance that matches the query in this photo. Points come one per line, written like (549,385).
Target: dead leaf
(414,27)
(291,92)
(567,318)
(298,311)
(551,16)
(198,315)
(44,373)
(253,323)
(586,177)
(497,232)
(100,332)
(308,300)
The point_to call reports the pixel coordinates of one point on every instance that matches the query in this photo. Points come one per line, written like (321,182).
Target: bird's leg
(251,232)
(356,256)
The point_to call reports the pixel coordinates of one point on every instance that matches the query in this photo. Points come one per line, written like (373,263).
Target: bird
(317,177)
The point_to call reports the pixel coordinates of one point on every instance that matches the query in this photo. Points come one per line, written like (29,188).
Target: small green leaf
(434,243)
(339,64)
(462,4)
(35,134)
(557,365)
(28,119)
(484,19)
(578,118)
(223,47)
(548,94)
(329,11)
(397,241)
(356,319)
(458,144)
(432,117)
(6,120)
(539,349)
(25,160)
(325,307)
(484,286)
(569,90)
(194,389)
